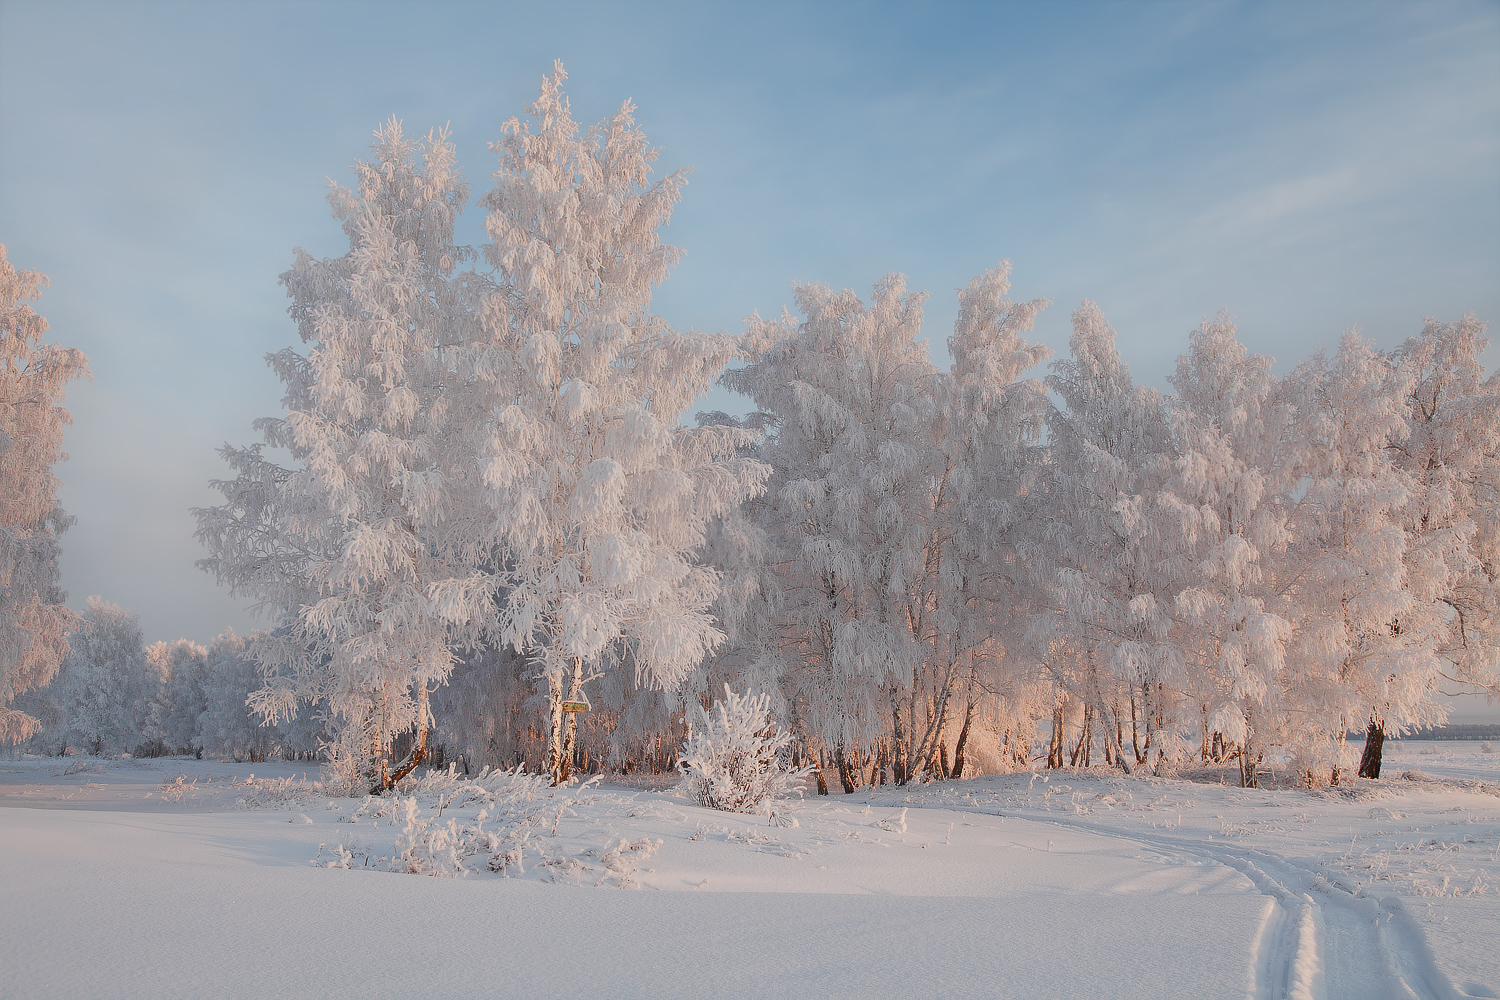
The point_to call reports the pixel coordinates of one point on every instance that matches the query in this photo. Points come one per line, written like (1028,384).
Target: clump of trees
(495,510)
(496,539)
(484,456)
(112,694)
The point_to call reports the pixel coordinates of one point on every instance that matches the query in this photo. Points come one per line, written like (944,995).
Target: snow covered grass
(193,878)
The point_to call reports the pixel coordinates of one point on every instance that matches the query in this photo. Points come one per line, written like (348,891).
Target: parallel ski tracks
(1320,942)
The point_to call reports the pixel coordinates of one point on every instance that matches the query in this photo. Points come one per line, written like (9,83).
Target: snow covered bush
(735,758)
(509,823)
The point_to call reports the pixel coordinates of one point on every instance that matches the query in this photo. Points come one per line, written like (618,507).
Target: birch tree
(598,496)
(895,489)
(350,547)
(1364,644)
(1108,632)
(1452,459)
(850,393)
(1226,498)
(33,375)
(174,716)
(987,511)
(104,688)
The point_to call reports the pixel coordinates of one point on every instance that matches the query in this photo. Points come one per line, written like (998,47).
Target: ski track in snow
(1319,942)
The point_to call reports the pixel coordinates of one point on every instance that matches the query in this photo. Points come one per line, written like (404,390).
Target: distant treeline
(1474,732)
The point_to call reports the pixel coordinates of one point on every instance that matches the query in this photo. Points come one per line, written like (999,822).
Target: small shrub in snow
(277,793)
(506,822)
(735,758)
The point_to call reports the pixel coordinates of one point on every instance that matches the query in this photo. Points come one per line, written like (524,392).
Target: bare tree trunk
(418,745)
(1055,747)
(899,767)
(1085,737)
(1135,732)
(927,756)
(1369,761)
(570,724)
(963,741)
(555,729)
(1114,737)
(841,761)
(1248,777)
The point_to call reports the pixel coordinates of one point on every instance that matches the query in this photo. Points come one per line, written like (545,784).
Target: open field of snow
(178,877)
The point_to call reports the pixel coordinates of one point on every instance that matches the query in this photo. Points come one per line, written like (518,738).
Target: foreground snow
(135,878)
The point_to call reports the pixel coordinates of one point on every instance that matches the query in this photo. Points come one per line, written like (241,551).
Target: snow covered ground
(177,877)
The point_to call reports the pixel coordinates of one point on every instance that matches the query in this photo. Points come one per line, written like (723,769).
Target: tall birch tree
(1226,501)
(33,376)
(1108,631)
(349,549)
(598,496)
(1364,646)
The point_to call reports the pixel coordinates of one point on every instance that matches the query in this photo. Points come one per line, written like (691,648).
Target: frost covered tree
(1451,457)
(986,509)
(33,375)
(483,456)
(1226,517)
(228,726)
(174,714)
(1364,644)
(599,498)
(351,547)
(105,686)
(887,521)
(849,394)
(1106,630)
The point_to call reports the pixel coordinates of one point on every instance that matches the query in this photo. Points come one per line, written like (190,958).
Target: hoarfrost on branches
(352,549)
(33,376)
(484,456)
(601,500)
(736,758)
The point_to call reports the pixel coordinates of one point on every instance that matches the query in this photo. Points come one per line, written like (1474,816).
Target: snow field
(152,878)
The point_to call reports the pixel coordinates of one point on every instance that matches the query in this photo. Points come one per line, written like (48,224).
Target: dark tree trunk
(943,761)
(842,763)
(418,751)
(1085,739)
(900,770)
(1248,777)
(1055,747)
(963,740)
(1369,761)
(1135,733)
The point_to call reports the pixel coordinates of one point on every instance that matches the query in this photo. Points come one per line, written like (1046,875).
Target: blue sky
(1310,167)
